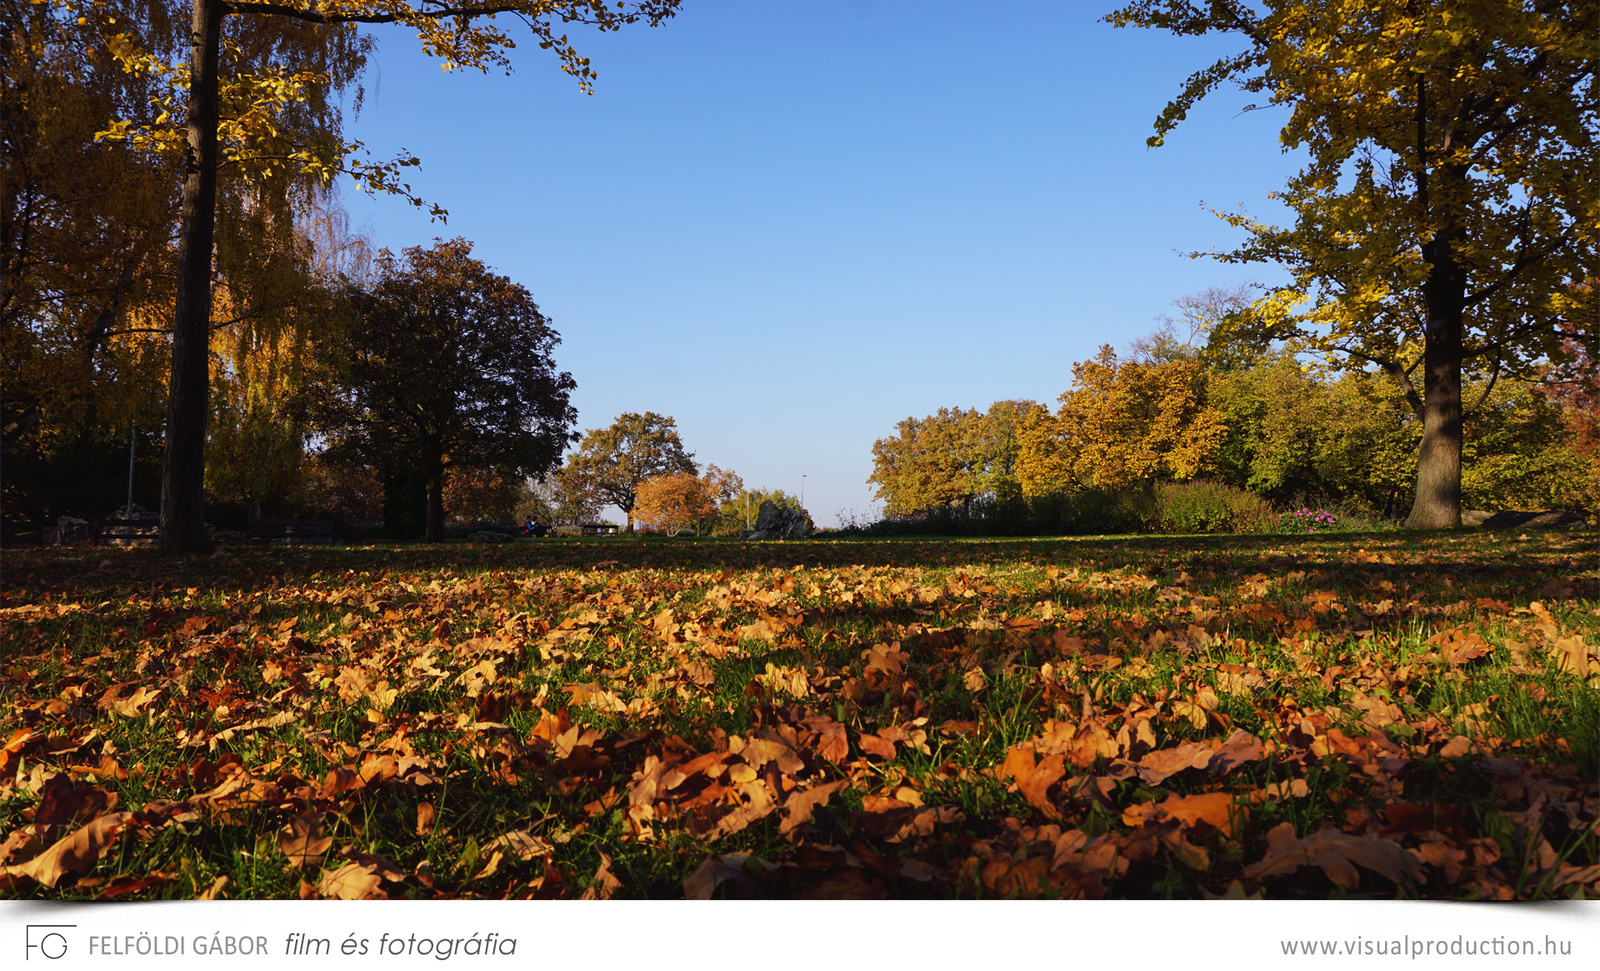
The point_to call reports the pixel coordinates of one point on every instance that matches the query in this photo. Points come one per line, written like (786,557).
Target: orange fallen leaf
(799,807)
(1034,779)
(76,853)
(353,881)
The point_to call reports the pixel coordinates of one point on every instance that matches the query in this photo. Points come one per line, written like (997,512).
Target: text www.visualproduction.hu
(1416,947)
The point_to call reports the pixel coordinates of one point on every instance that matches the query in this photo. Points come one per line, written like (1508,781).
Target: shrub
(1209,507)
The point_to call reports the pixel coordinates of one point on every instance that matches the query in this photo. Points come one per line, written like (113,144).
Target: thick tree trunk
(435,528)
(183,527)
(1438,497)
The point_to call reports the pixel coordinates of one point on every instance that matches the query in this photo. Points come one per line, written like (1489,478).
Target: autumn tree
(86,284)
(236,118)
(1451,195)
(949,458)
(674,502)
(611,463)
(1294,431)
(559,499)
(483,494)
(445,364)
(1120,424)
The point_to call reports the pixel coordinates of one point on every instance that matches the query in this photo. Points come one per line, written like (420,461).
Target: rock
(1474,517)
(489,536)
(776,522)
(135,513)
(68,529)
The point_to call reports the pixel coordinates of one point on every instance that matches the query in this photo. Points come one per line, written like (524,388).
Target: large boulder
(776,522)
(68,529)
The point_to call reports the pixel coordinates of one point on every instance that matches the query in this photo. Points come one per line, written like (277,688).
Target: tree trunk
(1438,497)
(435,529)
(183,526)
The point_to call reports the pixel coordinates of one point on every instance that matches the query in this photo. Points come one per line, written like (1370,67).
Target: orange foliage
(672,503)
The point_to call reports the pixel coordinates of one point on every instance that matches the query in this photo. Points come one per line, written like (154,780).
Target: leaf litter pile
(1380,716)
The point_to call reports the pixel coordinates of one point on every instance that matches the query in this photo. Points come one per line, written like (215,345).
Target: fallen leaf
(799,806)
(1336,852)
(301,840)
(76,853)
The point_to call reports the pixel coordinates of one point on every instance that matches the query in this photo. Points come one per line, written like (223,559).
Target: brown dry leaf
(717,870)
(1034,779)
(758,631)
(353,881)
(876,745)
(522,844)
(605,882)
(974,679)
(833,743)
(63,802)
(22,843)
(1277,791)
(75,853)
(1215,809)
(1157,766)
(1447,857)
(1376,712)
(133,705)
(757,752)
(1240,748)
(213,891)
(1574,657)
(799,806)
(1336,852)
(424,818)
(757,802)
(301,840)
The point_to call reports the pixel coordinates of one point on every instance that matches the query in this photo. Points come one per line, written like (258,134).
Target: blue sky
(790,225)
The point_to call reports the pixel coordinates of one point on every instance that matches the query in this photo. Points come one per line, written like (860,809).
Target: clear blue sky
(790,225)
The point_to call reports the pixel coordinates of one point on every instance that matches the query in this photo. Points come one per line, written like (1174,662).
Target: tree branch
(317,17)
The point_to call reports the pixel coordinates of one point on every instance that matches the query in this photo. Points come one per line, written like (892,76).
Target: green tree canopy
(444,364)
(1452,195)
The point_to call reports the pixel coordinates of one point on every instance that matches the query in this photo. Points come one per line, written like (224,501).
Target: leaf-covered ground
(1379,715)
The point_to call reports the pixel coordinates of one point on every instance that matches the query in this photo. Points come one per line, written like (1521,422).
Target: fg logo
(47,940)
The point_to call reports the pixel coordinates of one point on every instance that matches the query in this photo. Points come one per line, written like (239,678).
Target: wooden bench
(121,532)
(294,530)
(17,532)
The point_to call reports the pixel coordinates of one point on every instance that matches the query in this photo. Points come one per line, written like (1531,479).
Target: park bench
(17,532)
(294,530)
(598,529)
(122,532)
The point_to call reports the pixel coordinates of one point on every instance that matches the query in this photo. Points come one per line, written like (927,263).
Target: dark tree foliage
(443,364)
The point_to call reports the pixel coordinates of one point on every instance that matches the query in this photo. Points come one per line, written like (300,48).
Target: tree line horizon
(172,244)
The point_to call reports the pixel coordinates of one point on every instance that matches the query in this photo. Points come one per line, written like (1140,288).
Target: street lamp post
(802,492)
